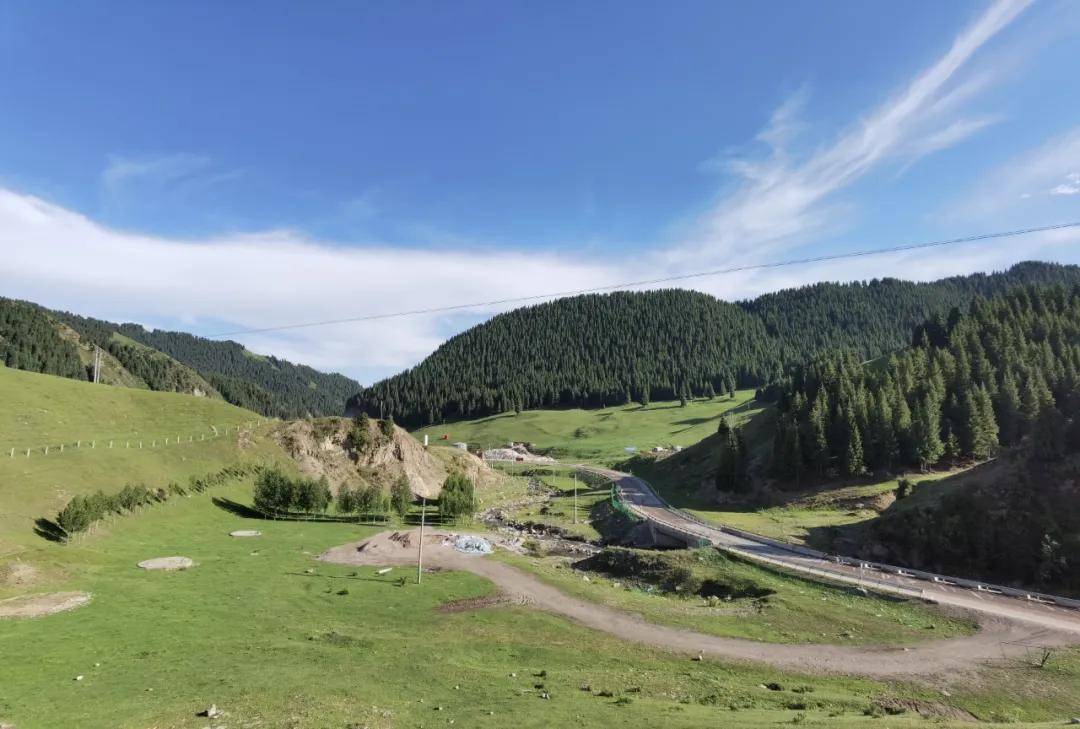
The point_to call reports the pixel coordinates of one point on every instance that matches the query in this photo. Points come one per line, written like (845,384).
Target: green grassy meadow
(598,435)
(806,516)
(271,644)
(41,410)
(797,611)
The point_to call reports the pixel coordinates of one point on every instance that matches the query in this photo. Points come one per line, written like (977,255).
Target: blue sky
(220,166)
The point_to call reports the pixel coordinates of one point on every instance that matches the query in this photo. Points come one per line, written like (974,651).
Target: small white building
(462,446)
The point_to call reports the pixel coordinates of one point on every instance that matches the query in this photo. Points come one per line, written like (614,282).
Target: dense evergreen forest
(170,361)
(970,383)
(29,341)
(596,350)
(1001,378)
(588,351)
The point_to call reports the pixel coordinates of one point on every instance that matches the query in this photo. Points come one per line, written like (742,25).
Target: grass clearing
(808,517)
(797,611)
(597,435)
(251,630)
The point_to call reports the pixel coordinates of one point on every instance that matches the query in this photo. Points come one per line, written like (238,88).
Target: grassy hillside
(45,411)
(598,435)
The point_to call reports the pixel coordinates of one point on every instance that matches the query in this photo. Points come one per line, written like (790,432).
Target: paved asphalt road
(640,498)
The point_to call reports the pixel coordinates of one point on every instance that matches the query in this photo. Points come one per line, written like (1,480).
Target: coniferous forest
(596,350)
(30,339)
(970,383)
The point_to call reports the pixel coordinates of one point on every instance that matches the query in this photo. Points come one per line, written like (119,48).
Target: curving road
(1034,611)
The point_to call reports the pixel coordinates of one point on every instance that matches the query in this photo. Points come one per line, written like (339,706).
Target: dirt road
(934,658)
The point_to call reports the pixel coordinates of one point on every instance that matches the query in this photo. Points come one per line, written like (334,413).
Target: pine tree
(926,431)
(853,459)
(1009,417)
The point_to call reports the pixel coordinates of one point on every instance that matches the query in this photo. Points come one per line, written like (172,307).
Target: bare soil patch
(469,604)
(926,709)
(17,574)
(167,563)
(33,606)
(941,660)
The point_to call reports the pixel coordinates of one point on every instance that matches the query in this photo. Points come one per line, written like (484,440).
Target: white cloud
(780,203)
(1071,186)
(1033,177)
(66,260)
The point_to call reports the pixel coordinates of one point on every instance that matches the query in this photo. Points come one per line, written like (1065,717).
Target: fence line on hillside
(131,442)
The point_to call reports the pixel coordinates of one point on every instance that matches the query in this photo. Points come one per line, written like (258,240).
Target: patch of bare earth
(33,606)
(17,574)
(926,709)
(939,661)
(469,604)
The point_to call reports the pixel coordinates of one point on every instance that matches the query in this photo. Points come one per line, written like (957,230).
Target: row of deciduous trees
(970,383)
(83,511)
(277,494)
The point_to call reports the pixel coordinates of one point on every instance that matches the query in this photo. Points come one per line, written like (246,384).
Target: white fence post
(93,443)
(27,452)
(110,444)
(12,452)
(46,450)
(61,447)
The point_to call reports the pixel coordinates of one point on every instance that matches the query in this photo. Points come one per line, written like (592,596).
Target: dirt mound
(323,448)
(167,563)
(32,606)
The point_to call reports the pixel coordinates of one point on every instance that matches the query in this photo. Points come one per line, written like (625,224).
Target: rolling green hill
(61,343)
(600,435)
(603,350)
(43,411)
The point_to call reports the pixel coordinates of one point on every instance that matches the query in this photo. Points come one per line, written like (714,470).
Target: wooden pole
(575,497)
(420,556)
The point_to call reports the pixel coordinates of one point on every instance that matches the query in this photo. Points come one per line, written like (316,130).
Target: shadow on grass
(392,581)
(49,529)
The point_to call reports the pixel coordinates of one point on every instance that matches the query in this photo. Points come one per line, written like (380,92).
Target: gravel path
(991,643)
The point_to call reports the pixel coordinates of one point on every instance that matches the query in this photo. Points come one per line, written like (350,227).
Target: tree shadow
(49,529)
(248,512)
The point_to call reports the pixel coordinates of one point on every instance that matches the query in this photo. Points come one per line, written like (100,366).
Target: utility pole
(420,557)
(575,497)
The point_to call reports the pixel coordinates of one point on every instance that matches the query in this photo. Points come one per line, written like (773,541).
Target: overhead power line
(654,281)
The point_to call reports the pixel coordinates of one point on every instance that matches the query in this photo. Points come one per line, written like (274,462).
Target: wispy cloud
(1071,186)
(781,200)
(1030,180)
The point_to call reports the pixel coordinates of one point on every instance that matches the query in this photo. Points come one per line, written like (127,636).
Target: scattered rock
(211,712)
(79,677)
(167,563)
(774,686)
